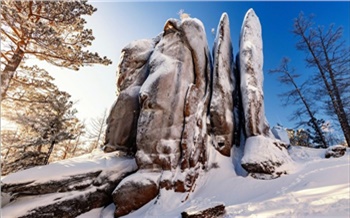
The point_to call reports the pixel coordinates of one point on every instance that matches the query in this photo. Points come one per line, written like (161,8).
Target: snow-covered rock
(172,125)
(251,75)
(335,151)
(162,99)
(280,133)
(174,99)
(210,211)
(135,191)
(221,104)
(264,156)
(132,72)
(66,188)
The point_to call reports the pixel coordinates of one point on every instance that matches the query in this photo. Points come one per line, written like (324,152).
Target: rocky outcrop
(162,99)
(251,75)
(214,211)
(67,194)
(132,71)
(263,154)
(179,106)
(173,103)
(221,104)
(335,151)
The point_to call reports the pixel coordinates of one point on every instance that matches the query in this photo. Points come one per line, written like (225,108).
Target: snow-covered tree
(53,31)
(44,116)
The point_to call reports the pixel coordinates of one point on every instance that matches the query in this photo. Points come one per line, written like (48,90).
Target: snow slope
(317,187)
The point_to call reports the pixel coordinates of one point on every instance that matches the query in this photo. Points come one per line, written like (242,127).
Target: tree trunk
(46,161)
(344,123)
(9,71)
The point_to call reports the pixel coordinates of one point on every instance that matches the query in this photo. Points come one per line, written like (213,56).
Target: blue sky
(115,24)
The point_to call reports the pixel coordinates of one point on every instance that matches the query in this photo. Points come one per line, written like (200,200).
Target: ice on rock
(222,105)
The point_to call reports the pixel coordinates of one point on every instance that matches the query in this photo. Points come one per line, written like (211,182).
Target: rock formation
(180,105)
(214,211)
(263,154)
(132,71)
(171,129)
(221,104)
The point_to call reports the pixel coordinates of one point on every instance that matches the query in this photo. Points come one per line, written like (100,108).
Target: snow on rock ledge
(66,188)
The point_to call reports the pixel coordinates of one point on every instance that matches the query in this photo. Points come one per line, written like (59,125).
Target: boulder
(221,104)
(264,157)
(335,151)
(280,133)
(135,191)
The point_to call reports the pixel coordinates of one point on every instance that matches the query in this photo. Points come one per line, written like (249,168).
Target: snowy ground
(317,187)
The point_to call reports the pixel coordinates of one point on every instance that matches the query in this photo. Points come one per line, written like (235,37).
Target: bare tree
(326,52)
(49,30)
(287,76)
(97,130)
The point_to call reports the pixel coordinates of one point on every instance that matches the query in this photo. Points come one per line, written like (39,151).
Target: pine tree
(49,30)
(44,117)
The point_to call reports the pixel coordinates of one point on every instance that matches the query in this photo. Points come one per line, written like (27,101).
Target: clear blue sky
(117,23)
